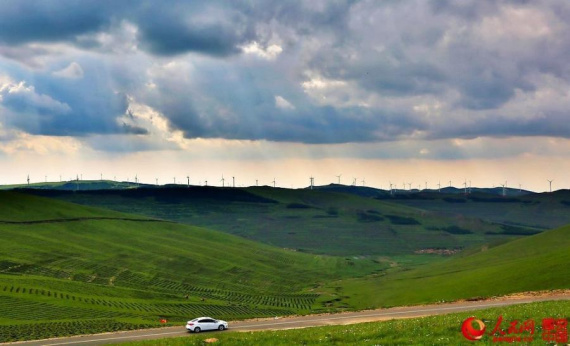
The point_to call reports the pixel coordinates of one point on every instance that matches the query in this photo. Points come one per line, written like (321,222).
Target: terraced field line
(299,322)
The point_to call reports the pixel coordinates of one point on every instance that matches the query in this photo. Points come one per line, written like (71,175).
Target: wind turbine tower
(338,176)
(223,181)
(550,182)
(156,179)
(353,181)
(256,182)
(273,182)
(439,187)
(188,177)
(465,185)
(234,181)
(28,179)
(363,182)
(312,182)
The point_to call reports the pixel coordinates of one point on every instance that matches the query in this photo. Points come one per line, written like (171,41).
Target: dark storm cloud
(65,107)
(474,58)
(23,21)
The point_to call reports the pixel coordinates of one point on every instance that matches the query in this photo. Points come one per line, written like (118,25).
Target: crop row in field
(17,332)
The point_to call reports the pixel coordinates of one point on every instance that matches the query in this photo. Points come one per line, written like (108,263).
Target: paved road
(293,322)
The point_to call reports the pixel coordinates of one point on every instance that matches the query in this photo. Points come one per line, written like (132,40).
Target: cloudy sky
(378,91)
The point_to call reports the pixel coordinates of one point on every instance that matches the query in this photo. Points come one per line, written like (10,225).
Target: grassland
(311,221)
(539,211)
(67,269)
(538,262)
(434,330)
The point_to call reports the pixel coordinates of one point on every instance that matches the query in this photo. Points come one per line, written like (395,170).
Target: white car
(205,323)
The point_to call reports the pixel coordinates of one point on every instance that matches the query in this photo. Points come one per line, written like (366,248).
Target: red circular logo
(471,333)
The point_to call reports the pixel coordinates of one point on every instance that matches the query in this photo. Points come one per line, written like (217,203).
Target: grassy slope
(331,223)
(433,330)
(541,210)
(137,271)
(539,262)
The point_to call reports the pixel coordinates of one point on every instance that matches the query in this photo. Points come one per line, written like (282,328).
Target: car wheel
(221,327)
(197,330)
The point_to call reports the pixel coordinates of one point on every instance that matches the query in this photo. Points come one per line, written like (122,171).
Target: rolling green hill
(304,220)
(77,185)
(539,262)
(538,210)
(83,267)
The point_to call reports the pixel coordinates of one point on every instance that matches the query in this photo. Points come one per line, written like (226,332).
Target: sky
(378,92)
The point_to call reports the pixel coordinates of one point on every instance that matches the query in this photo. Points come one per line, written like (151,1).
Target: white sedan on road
(205,323)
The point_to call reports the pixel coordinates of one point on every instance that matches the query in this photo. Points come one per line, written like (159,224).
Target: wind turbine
(450,183)
(550,182)
(338,176)
(363,182)
(188,177)
(256,182)
(99,179)
(312,182)
(391,191)
(45,178)
(504,191)
(410,185)
(465,185)
(439,186)
(234,181)
(353,181)
(223,181)
(273,182)
(156,179)
(28,179)
(205,183)
(174,180)
(426,185)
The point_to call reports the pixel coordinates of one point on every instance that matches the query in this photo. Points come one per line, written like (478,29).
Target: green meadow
(312,221)
(64,263)
(538,262)
(70,269)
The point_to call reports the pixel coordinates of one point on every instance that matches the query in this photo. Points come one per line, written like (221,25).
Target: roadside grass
(433,330)
(539,262)
(311,221)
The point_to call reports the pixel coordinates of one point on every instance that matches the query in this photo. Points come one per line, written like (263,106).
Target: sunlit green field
(539,262)
(63,263)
